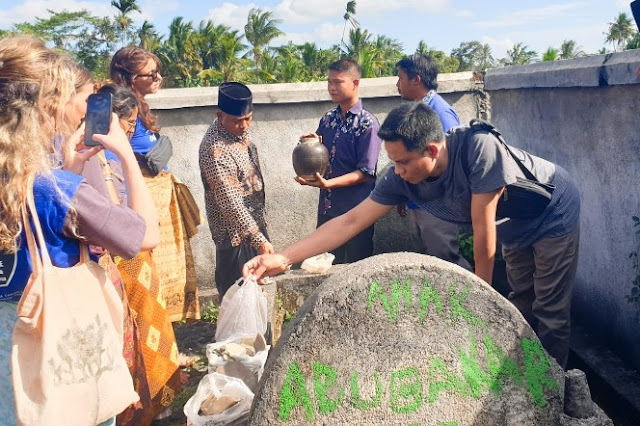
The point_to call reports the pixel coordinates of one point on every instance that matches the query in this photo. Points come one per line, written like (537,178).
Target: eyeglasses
(128,126)
(154,75)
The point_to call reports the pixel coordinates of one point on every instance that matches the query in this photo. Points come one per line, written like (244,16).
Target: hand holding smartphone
(98,117)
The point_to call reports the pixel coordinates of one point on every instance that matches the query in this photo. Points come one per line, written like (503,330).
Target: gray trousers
(541,279)
(437,237)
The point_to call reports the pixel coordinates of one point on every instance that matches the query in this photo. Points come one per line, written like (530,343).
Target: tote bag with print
(67,361)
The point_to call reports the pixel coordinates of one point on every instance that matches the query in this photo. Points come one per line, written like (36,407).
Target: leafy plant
(465,248)
(634,295)
(210,313)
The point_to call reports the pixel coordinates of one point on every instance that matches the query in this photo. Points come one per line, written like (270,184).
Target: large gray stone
(401,339)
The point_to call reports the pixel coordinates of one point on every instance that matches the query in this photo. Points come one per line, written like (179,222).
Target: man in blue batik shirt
(350,134)
(417,81)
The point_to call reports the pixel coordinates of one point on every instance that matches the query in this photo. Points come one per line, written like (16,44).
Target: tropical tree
(290,65)
(551,54)
(260,30)
(483,58)
(620,31)
(519,55)
(422,48)
(358,40)
(348,17)
(125,7)
(316,60)
(634,43)
(148,37)
(231,65)
(467,54)
(569,49)
(179,53)
(89,38)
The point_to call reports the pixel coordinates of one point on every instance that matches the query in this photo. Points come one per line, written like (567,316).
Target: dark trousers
(357,248)
(542,278)
(229,263)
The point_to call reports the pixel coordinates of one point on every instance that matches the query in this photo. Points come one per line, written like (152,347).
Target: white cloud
(27,11)
(231,15)
(324,34)
(499,46)
(151,9)
(305,11)
(464,13)
(526,17)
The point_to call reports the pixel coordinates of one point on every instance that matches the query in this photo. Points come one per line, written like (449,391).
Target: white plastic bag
(243,310)
(245,366)
(318,264)
(219,385)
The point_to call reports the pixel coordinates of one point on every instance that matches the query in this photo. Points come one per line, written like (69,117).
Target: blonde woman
(140,71)
(35,87)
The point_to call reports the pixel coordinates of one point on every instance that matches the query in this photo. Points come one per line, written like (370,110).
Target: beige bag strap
(44,253)
(108,175)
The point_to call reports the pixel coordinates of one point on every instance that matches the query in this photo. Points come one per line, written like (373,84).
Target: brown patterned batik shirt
(233,188)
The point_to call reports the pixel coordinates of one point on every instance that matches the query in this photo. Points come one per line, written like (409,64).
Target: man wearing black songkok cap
(233,184)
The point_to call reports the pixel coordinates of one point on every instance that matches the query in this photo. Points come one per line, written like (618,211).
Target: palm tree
(620,31)
(358,39)
(519,55)
(261,28)
(231,65)
(422,48)
(149,37)
(569,49)
(483,58)
(348,17)
(179,53)
(209,40)
(125,7)
(550,55)
(634,43)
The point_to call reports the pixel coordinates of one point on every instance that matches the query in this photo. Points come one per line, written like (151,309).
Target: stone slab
(408,339)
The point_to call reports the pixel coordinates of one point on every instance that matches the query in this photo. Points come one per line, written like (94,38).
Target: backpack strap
(477,125)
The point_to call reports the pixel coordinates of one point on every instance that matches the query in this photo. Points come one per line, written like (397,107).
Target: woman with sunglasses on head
(140,71)
(38,88)
(160,352)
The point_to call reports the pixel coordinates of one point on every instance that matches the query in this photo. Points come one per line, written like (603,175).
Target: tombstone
(408,339)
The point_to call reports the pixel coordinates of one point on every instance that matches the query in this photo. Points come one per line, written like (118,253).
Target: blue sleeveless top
(143,139)
(52,195)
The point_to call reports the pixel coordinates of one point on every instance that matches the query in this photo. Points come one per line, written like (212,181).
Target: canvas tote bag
(67,361)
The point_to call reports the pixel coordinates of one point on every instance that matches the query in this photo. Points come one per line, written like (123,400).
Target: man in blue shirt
(350,134)
(417,81)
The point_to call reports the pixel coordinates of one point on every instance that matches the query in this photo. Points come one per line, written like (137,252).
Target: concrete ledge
(613,69)
(285,93)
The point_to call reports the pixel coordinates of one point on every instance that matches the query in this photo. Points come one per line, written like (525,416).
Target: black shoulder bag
(523,199)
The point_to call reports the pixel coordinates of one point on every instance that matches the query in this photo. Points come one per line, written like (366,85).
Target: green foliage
(210,313)
(473,55)
(550,55)
(634,294)
(620,31)
(210,54)
(465,247)
(519,55)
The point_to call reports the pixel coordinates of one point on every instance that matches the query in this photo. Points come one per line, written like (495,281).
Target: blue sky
(442,24)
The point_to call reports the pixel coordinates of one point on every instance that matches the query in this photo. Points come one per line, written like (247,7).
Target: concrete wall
(583,114)
(282,112)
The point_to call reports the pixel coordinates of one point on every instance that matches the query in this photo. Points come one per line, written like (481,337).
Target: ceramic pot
(309,157)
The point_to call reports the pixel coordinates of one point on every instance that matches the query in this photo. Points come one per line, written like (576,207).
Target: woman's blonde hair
(35,86)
